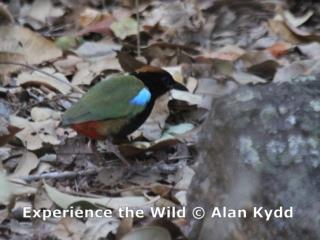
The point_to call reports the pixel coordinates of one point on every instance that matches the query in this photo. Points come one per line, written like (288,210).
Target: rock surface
(260,148)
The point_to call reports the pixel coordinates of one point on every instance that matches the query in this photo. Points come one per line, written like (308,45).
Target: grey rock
(260,150)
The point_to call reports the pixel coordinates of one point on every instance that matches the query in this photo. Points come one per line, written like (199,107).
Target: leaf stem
(138,28)
(60,175)
(77,89)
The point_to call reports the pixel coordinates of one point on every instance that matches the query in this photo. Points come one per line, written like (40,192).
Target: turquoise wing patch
(142,98)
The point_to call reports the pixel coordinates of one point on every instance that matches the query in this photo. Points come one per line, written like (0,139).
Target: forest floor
(51,52)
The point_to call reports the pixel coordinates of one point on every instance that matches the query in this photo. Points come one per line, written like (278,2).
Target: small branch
(43,72)
(138,28)
(60,175)
(180,157)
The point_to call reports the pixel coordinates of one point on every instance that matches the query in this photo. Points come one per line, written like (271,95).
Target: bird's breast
(99,129)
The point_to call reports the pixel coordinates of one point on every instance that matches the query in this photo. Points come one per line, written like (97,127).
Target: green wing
(108,99)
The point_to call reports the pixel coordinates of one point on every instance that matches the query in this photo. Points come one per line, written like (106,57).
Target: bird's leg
(115,150)
(130,169)
(93,146)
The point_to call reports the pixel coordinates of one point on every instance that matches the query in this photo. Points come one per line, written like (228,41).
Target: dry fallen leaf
(6,137)
(38,78)
(64,200)
(69,229)
(146,233)
(228,53)
(247,78)
(34,134)
(127,62)
(7,131)
(6,58)
(42,10)
(41,199)
(280,49)
(67,66)
(26,163)
(297,21)
(279,28)
(98,228)
(125,226)
(88,16)
(184,178)
(5,16)
(11,187)
(87,71)
(102,26)
(176,73)
(311,50)
(190,98)
(169,137)
(111,176)
(97,49)
(4,154)
(304,69)
(175,15)
(6,191)
(41,114)
(35,48)
(124,27)
(94,21)
(4,213)
(154,125)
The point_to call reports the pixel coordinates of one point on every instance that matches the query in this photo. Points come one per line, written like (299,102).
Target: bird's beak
(179,86)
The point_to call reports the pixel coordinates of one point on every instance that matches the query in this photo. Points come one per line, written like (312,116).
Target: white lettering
(216,212)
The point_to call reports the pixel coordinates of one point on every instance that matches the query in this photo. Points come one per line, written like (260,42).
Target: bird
(118,105)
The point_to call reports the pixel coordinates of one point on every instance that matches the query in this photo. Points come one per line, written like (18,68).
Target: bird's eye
(167,80)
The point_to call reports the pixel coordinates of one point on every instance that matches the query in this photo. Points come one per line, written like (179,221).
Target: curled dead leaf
(26,163)
(297,21)
(37,78)
(281,29)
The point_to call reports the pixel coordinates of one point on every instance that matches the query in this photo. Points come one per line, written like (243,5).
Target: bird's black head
(157,80)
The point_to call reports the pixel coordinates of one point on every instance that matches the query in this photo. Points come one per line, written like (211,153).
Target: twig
(43,72)
(180,157)
(145,187)
(60,175)
(138,28)
(4,227)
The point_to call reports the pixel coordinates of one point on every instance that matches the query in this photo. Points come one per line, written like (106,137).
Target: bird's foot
(132,170)
(115,150)
(99,158)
